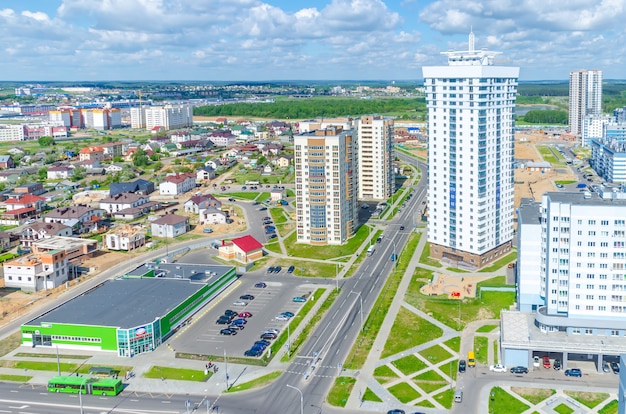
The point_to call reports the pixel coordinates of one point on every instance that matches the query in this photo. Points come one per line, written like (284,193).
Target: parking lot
(203,336)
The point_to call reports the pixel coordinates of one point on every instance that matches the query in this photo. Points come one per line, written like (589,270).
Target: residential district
(351,264)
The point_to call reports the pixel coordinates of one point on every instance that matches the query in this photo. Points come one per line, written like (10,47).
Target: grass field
(409,364)
(409,330)
(404,392)
(256,383)
(339,393)
(503,402)
(325,252)
(15,378)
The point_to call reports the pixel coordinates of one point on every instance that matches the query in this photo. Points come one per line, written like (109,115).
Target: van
(458,397)
(471,360)
(371,250)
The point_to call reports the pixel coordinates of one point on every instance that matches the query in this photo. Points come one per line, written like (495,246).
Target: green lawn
(255,383)
(62,356)
(384,374)
(481,349)
(363,344)
(176,374)
(404,392)
(425,257)
(565,182)
(500,263)
(590,399)
(498,281)
(325,252)
(339,393)
(430,381)
(409,364)
(369,395)
(278,215)
(246,195)
(450,368)
(445,398)
(487,328)
(534,395)
(563,409)
(495,352)
(273,246)
(610,408)
(454,343)
(503,402)
(424,403)
(435,354)
(15,378)
(409,330)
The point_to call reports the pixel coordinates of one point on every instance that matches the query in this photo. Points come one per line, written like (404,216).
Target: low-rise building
(126,238)
(91,154)
(80,217)
(170,225)
(6,161)
(211,215)
(139,186)
(123,201)
(38,231)
(37,271)
(22,206)
(245,249)
(201,202)
(75,248)
(59,172)
(177,184)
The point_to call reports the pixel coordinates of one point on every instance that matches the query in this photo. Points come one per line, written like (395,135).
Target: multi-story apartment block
(470,151)
(11,133)
(326,186)
(608,159)
(168,117)
(585,97)
(375,157)
(37,271)
(102,118)
(323,123)
(593,127)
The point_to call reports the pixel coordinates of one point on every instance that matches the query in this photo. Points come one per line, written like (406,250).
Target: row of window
(75,338)
(591,222)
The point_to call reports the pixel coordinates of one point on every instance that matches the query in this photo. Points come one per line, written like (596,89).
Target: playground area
(456,286)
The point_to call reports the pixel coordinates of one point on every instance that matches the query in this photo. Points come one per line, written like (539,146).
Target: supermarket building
(131,314)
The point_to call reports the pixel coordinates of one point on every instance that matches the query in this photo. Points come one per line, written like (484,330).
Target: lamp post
(301,397)
(226,368)
(288,339)
(361,301)
(80,398)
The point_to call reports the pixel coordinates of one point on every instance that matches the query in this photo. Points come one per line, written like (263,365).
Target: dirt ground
(455,286)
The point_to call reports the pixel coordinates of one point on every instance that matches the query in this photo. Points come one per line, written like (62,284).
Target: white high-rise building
(326,186)
(375,138)
(585,98)
(470,156)
(168,117)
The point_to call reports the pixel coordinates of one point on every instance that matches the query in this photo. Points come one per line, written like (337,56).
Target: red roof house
(245,249)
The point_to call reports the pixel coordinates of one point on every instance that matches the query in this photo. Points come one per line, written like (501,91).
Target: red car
(546,362)
(245,315)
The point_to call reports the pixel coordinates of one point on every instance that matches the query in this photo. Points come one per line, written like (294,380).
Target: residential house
(273,148)
(283,161)
(24,205)
(139,186)
(121,201)
(200,202)
(66,185)
(30,188)
(38,231)
(132,213)
(91,154)
(244,249)
(6,162)
(126,238)
(12,175)
(215,163)
(60,172)
(113,168)
(8,240)
(180,136)
(36,271)
(267,170)
(170,225)
(177,184)
(75,248)
(205,174)
(15,151)
(222,138)
(113,149)
(80,217)
(211,215)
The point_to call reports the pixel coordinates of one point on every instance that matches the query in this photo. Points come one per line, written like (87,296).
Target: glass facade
(138,340)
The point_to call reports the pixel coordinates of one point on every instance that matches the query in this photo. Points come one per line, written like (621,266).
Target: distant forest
(414,108)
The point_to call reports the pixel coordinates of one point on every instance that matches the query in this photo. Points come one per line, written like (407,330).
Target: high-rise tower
(585,97)
(470,154)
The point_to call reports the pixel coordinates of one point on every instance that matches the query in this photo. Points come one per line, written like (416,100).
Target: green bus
(85,385)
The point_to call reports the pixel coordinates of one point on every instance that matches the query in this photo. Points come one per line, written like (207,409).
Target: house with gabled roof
(6,161)
(93,153)
(21,206)
(205,174)
(38,231)
(60,172)
(121,201)
(245,249)
(175,184)
(170,225)
(202,201)
(211,215)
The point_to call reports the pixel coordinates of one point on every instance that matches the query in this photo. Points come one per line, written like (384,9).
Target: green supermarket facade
(131,314)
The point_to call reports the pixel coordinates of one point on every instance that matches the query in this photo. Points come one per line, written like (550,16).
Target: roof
(178,178)
(71,212)
(59,168)
(170,219)
(5,158)
(26,199)
(50,228)
(89,150)
(123,198)
(247,243)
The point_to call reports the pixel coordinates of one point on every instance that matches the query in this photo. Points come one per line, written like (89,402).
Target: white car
(281,318)
(497,368)
(240,303)
(536,361)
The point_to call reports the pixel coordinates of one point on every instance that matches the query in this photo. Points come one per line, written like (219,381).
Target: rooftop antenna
(471,40)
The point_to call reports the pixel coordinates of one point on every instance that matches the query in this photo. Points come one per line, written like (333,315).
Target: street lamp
(226,368)
(361,309)
(301,397)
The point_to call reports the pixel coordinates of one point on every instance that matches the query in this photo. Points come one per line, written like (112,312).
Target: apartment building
(470,184)
(168,117)
(375,157)
(326,185)
(585,98)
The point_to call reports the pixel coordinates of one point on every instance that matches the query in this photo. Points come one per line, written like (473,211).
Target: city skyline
(249,40)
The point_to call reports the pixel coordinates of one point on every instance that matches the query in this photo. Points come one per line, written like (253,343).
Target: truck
(371,250)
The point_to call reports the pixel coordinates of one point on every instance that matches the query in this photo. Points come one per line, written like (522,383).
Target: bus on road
(85,385)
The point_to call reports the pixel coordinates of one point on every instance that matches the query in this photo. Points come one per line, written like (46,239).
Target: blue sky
(255,40)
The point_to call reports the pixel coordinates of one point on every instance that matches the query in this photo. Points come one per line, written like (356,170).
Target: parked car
(396,411)
(270,231)
(291,269)
(239,321)
(263,342)
(254,352)
(245,315)
(573,372)
(497,368)
(272,236)
(557,365)
(223,320)
(277,269)
(236,327)
(379,239)
(281,317)
(462,365)
(255,203)
(606,367)
(299,299)
(246,297)
(261,285)
(240,303)
(270,269)
(207,230)
(230,313)
(536,361)
(271,228)
(268,335)
(519,370)
(266,221)
(228,331)
(615,367)
(546,362)
(262,208)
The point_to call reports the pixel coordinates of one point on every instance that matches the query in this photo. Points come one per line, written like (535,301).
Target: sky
(256,40)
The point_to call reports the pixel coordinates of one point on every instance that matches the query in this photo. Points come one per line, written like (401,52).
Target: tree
(140,159)
(45,141)
(79,174)
(43,174)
